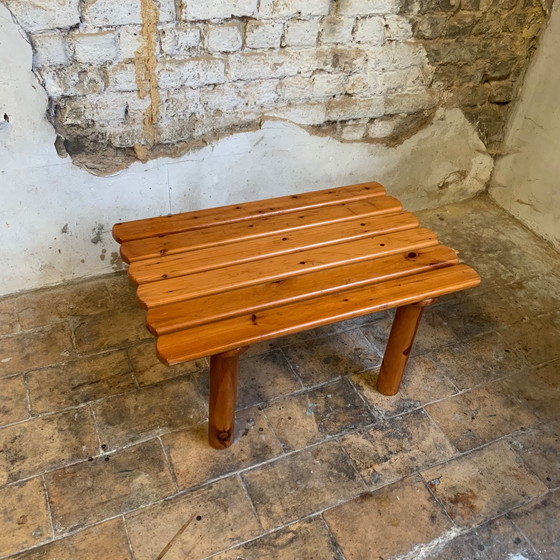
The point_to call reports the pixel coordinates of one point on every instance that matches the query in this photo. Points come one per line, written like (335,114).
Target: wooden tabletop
(217,279)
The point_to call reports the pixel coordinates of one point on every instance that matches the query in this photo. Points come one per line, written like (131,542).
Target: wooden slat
(174,223)
(282,266)
(154,247)
(252,299)
(220,256)
(248,329)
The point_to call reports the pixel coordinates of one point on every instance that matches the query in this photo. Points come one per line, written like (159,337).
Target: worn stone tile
(148,369)
(323,359)
(422,383)
(537,339)
(45,443)
(481,415)
(539,389)
(306,418)
(539,522)
(111,330)
(44,307)
(351,324)
(9,323)
(149,411)
(123,293)
(13,400)
(496,540)
(79,382)
(24,515)
(481,360)
(388,522)
(481,314)
(32,350)
(483,484)
(536,295)
(307,540)
(107,486)
(194,461)
(194,525)
(396,448)
(540,450)
(302,483)
(261,378)
(107,540)
(433,333)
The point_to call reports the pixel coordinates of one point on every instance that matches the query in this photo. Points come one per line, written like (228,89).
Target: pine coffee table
(218,280)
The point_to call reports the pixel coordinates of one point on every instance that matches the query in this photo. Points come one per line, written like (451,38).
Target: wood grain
(252,299)
(213,338)
(261,226)
(174,223)
(282,266)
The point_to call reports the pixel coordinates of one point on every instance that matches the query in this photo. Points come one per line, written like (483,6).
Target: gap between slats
(141,229)
(253,299)
(282,266)
(244,330)
(221,256)
(261,226)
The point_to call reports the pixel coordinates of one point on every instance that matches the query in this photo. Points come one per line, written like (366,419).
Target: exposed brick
(73,80)
(302,33)
(108,12)
(367,7)
(180,41)
(263,35)
(130,40)
(40,14)
(224,38)
(210,9)
(262,65)
(337,30)
(370,30)
(49,49)
(348,108)
(95,48)
(290,8)
(192,72)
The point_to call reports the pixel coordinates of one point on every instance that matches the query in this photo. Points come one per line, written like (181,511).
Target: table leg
(405,325)
(223,396)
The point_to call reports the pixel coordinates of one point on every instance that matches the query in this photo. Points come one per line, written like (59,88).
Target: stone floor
(103,451)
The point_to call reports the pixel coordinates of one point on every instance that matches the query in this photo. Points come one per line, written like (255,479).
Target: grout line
(243,483)
(127,535)
(96,428)
(529,541)
(334,542)
(167,459)
(48,503)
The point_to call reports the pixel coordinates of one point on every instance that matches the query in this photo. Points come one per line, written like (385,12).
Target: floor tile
(78,382)
(13,400)
(194,525)
(433,333)
(496,540)
(388,522)
(306,418)
(107,541)
(539,522)
(44,307)
(540,450)
(481,360)
(123,293)
(423,382)
(148,369)
(396,448)
(107,486)
(149,411)
(9,323)
(307,540)
(261,378)
(111,330)
(24,515)
(40,444)
(30,350)
(302,483)
(195,462)
(483,484)
(326,358)
(539,389)
(536,339)
(481,415)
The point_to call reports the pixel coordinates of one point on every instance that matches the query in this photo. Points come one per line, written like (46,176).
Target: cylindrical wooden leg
(223,396)
(405,325)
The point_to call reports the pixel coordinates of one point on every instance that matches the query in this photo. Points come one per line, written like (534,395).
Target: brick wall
(137,79)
